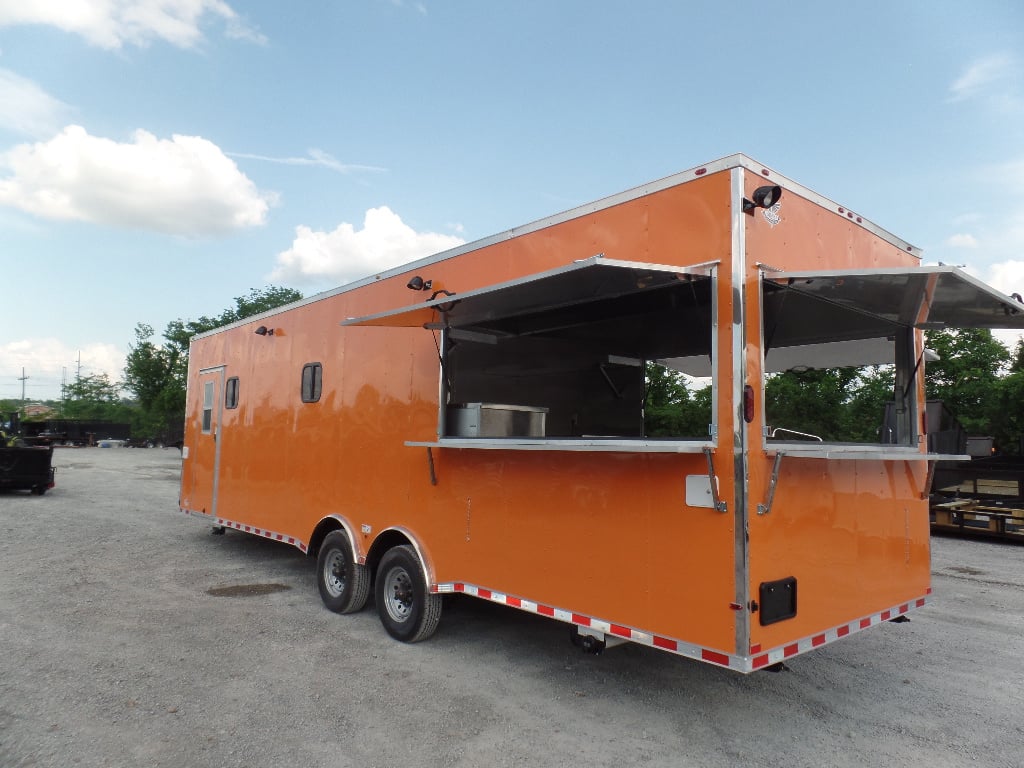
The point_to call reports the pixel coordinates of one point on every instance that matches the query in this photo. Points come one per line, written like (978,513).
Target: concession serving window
(863,318)
(559,360)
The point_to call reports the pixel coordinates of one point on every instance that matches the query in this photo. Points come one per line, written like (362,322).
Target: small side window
(207,426)
(231,393)
(312,382)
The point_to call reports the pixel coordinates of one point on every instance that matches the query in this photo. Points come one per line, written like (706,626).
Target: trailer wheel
(408,610)
(344,584)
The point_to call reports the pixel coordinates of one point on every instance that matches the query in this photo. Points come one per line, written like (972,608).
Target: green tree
(156,371)
(966,377)
(1007,422)
(977,378)
(154,374)
(96,397)
(670,408)
(864,411)
(811,401)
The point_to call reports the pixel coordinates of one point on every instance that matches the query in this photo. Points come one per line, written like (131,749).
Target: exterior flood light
(419,284)
(264,331)
(763,197)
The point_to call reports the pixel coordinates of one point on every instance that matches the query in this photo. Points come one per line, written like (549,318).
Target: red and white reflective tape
(273,535)
(757,659)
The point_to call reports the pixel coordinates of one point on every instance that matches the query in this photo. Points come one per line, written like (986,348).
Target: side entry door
(205,448)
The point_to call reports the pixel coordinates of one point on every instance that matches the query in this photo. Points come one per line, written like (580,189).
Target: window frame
(231,393)
(902,302)
(478,314)
(209,397)
(311,382)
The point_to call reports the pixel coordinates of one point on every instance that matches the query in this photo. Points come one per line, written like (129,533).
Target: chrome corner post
(740,437)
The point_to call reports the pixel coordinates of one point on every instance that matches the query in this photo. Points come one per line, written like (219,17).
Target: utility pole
(23,379)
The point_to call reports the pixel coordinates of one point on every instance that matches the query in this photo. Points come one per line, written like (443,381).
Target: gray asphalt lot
(130,636)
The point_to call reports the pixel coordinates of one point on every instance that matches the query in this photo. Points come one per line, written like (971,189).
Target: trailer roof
(683,177)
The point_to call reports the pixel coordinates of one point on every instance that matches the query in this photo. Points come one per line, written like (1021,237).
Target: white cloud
(992,76)
(417,6)
(113,23)
(962,240)
(48,361)
(965,219)
(314,157)
(979,75)
(1008,277)
(1003,239)
(27,109)
(347,254)
(183,186)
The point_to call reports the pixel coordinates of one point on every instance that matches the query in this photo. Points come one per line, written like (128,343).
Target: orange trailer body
(364,410)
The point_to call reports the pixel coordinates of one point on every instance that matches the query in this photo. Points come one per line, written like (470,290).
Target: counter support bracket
(430,466)
(764,509)
(719,505)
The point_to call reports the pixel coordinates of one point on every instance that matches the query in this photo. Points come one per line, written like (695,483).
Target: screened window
(231,393)
(312,382)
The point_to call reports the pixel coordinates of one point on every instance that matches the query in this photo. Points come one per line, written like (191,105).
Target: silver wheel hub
(334,573)
(398,594)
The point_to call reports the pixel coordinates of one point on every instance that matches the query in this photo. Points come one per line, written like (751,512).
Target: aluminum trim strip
(526,444)
(854,453)
(256,531)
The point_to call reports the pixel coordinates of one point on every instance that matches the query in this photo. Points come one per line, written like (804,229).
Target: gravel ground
(129,636)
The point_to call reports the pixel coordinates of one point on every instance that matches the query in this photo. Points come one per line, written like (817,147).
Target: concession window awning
(826,318)
(571,296)
(923,297)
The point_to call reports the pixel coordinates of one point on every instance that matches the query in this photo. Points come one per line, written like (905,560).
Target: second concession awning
(923,297)
(827,318)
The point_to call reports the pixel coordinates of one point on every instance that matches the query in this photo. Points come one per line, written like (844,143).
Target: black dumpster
(26,468)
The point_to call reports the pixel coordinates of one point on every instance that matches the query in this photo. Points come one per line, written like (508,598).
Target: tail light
(748,403)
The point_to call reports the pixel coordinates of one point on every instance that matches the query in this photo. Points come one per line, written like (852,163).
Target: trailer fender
(334,523)
(367,551)
(395,537)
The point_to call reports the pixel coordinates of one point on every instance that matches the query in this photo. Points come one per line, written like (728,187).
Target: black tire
(408,610)
(344,584)
(38,490)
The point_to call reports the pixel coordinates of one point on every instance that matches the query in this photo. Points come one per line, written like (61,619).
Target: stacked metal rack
(983,497)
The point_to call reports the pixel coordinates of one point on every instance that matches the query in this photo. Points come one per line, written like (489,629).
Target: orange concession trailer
(474,423)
